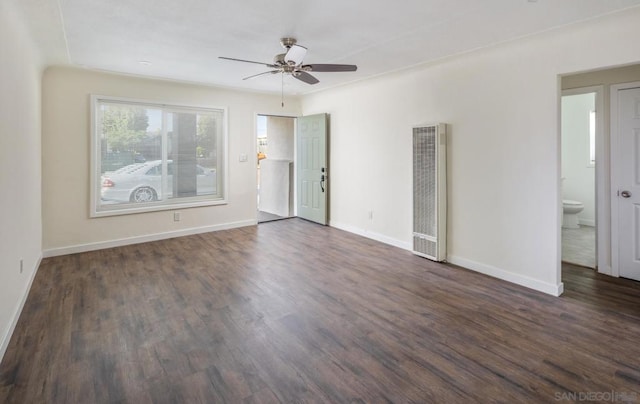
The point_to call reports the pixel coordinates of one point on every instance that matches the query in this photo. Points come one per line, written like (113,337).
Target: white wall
(21,223)
(276,187)
(65,158)
(280,135)
(504,147)
(579,176)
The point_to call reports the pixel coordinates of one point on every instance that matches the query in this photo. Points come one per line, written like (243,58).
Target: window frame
(593,129)
(95,162)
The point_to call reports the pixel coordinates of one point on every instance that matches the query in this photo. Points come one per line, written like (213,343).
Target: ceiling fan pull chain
(282,90)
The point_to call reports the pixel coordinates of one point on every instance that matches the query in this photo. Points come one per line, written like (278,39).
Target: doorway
(580,137)
(606,82)
(275,137)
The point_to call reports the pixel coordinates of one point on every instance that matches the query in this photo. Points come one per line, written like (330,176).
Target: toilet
(570,210)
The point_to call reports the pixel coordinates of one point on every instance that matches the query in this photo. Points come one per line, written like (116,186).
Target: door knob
(625,194)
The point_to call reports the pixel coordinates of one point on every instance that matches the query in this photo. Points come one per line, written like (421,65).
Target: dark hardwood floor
(294,312)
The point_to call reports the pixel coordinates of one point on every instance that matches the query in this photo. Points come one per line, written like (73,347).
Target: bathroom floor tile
(579,246)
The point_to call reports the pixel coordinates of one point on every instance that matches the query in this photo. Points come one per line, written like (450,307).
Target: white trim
(295,166)
(180,203)
(78,248)
(372,235)
(94,156)
(605,270)
(613,140)
(16,314)
(558,161)
(522,280)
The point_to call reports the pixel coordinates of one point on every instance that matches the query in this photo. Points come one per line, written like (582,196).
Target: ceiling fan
(290,62)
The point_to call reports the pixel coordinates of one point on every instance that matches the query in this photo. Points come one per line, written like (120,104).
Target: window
(148,156)
(592,138)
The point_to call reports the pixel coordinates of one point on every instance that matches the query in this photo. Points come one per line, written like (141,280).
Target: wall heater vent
(430,191)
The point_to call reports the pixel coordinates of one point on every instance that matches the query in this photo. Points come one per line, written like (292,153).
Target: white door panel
(312,168)
(628,181)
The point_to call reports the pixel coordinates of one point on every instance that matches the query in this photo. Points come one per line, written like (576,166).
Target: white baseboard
(16,315)
(372,235)
(606,270)
(548,288)
(100,245)
(522,280)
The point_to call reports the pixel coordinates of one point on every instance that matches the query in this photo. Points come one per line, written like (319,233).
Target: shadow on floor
(264,217)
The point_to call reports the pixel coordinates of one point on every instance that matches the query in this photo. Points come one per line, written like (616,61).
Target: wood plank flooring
(291,312)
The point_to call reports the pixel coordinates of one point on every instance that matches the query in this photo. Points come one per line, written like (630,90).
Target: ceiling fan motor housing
(279,59)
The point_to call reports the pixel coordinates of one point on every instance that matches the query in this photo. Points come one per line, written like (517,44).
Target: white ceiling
(183,38)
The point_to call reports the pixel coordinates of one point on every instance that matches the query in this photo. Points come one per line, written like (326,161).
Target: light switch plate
(243,158)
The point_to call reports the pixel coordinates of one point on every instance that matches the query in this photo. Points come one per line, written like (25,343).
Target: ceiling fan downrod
(287,42)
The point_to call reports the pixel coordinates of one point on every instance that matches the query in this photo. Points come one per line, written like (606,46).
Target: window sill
(151,207)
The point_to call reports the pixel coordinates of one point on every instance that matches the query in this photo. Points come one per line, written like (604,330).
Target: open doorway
(275,137)
(603,82)
(580,134)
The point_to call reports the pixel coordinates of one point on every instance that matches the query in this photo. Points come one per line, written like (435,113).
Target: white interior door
(312,171)
(627,180)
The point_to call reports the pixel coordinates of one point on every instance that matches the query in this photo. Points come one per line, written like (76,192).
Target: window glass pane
(152,155)
(193,151)
(208,143)
(129,147)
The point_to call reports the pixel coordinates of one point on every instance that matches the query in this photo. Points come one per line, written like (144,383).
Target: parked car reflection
(142,182)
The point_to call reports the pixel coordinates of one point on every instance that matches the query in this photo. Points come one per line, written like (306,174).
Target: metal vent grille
(425,246)
(424,181)
(429,191)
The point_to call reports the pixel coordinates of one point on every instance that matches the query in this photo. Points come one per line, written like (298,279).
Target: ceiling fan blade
(330,68)
(260,74)
(306,77)
(295,54)
(248,61)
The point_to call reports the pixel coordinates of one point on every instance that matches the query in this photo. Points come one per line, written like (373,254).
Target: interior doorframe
(602,180)
(615,170)
(254,148)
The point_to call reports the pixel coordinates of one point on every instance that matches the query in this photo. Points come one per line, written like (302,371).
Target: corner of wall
(5,338)
(531,283)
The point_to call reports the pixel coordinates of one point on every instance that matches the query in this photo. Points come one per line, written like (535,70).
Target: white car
(142,182)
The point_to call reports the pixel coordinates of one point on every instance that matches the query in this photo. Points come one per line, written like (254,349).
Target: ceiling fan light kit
(290,63)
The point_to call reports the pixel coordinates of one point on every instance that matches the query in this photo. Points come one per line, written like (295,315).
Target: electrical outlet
(21,265)
(243,158)
(370,215)
(176,216)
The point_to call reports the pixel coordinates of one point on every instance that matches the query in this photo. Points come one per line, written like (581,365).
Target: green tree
(124,127)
